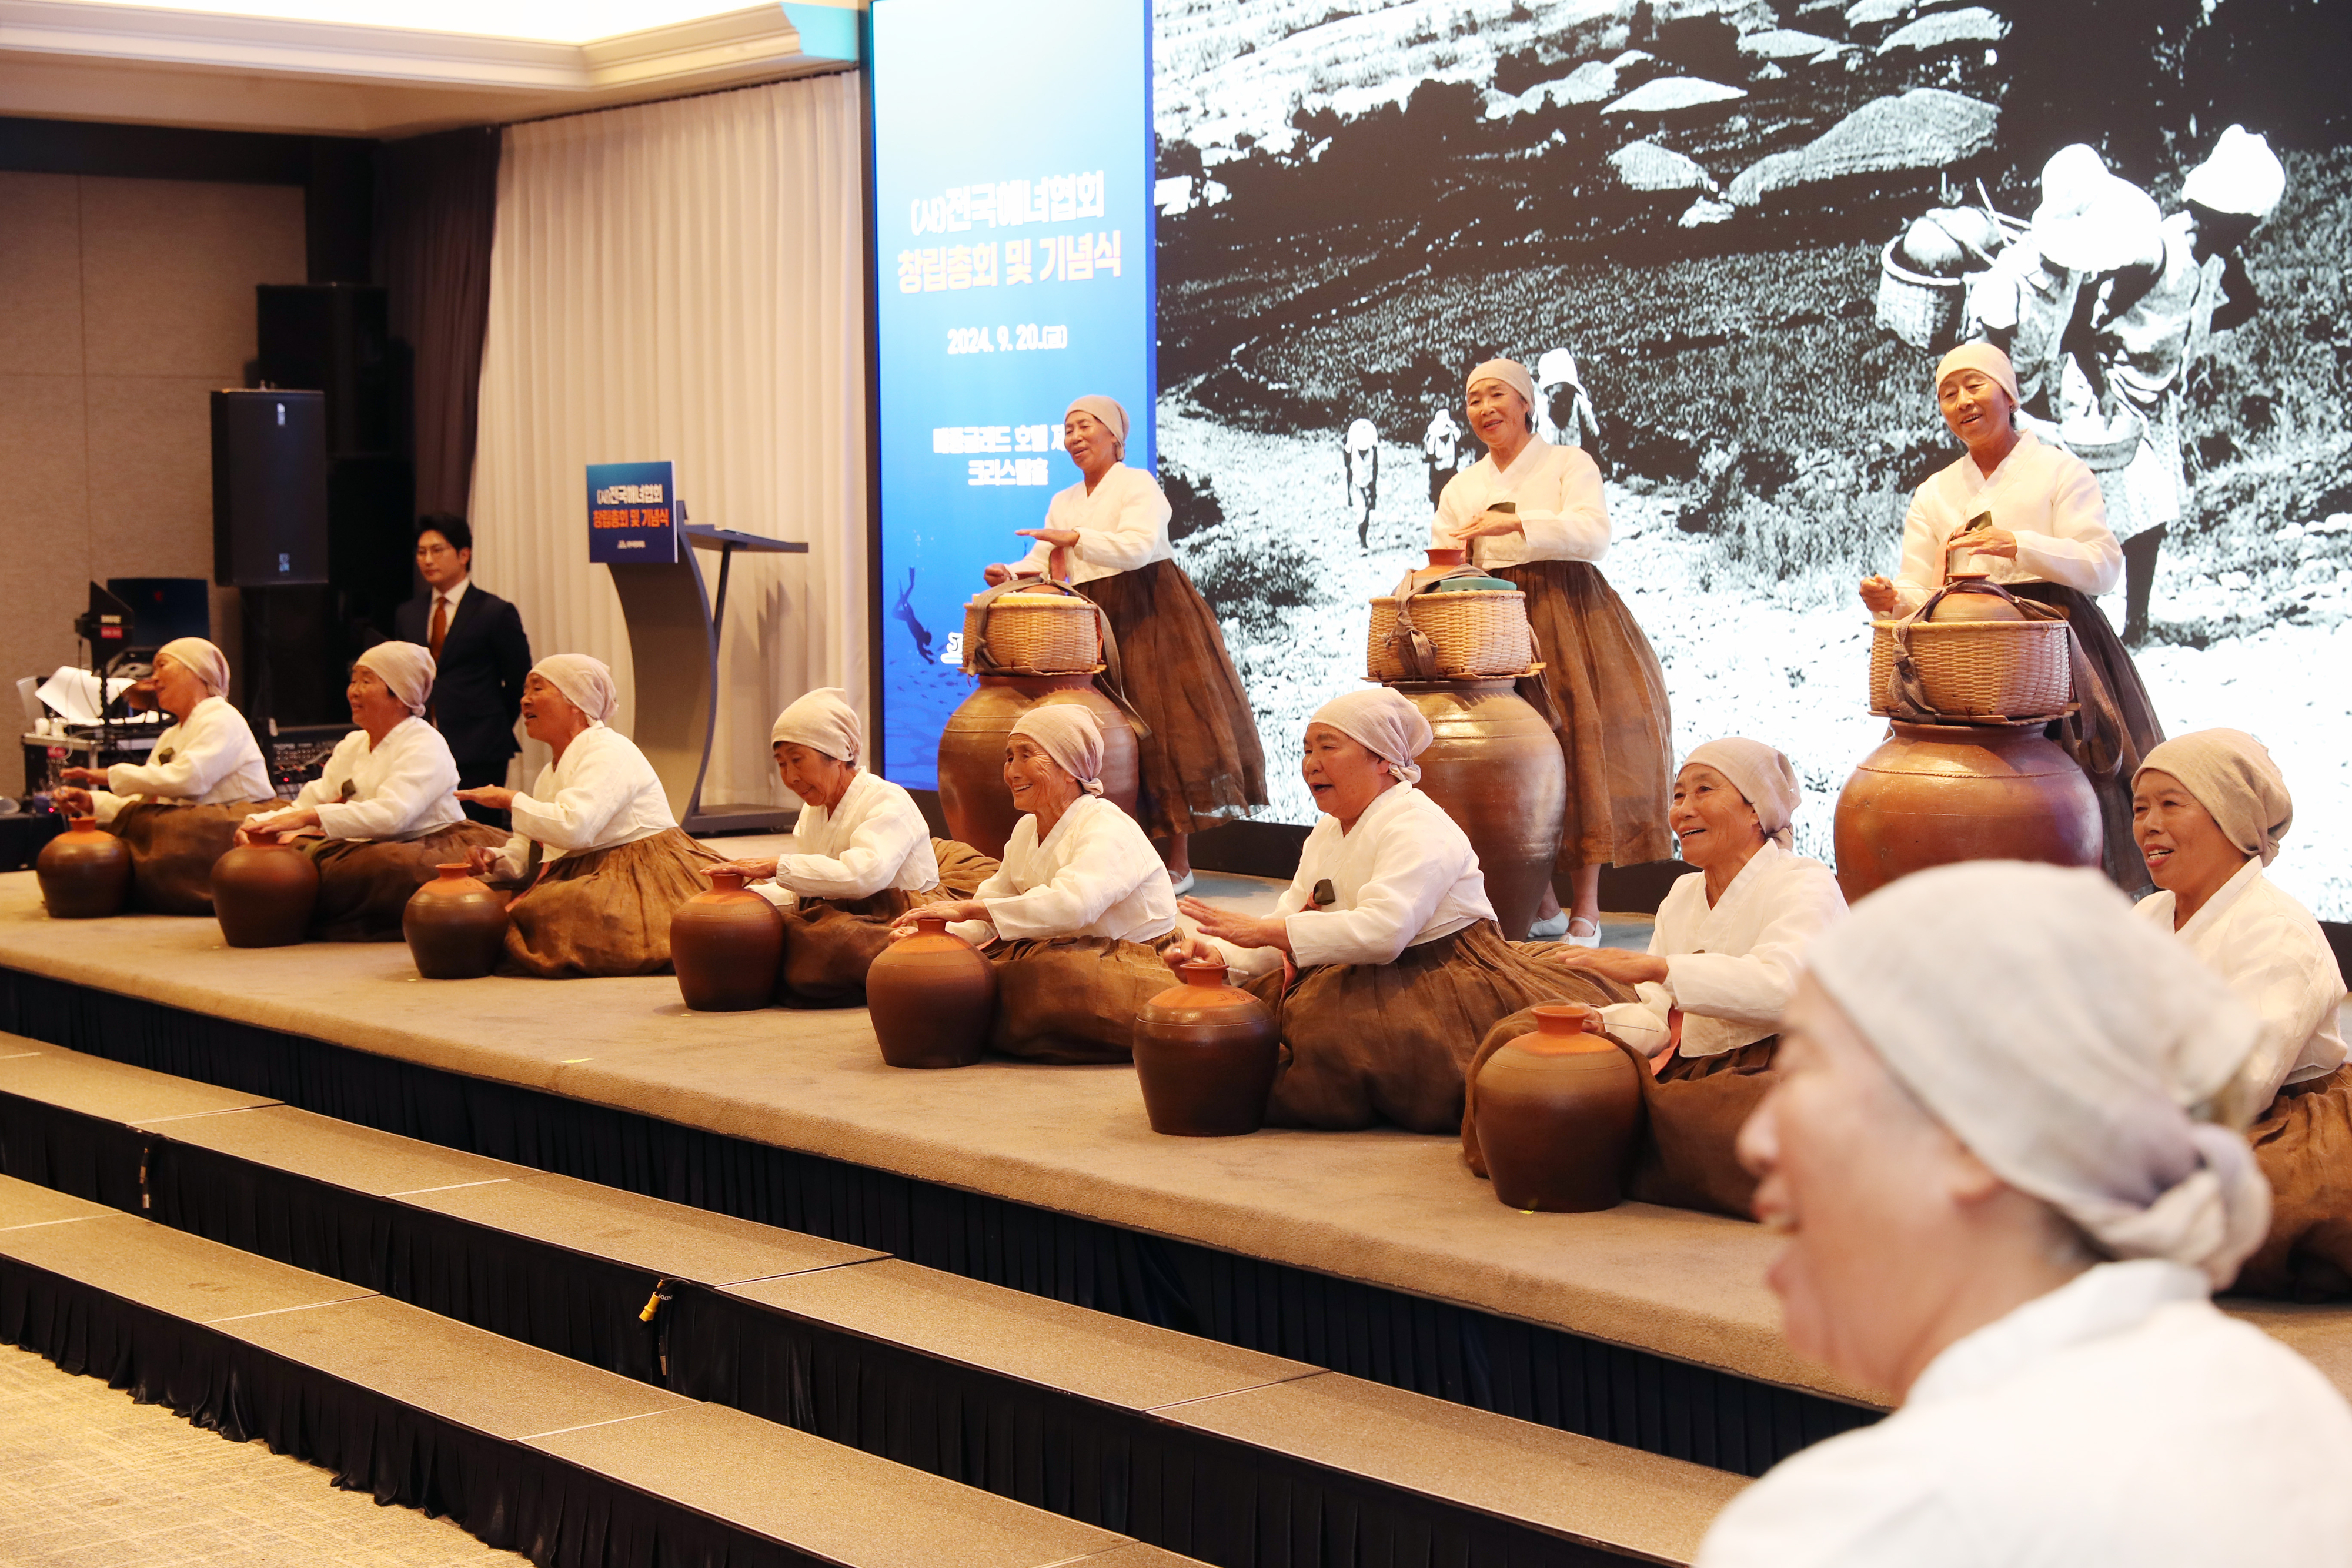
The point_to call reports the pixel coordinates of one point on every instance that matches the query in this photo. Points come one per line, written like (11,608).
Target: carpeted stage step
(1229,1455)
(528,1450)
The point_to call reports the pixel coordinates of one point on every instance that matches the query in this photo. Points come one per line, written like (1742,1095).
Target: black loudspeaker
(335,337)
(269,488)
(165,607)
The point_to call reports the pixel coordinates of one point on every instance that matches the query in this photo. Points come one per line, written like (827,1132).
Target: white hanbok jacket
(2044,495)
(1561,506)
(403,789)
(1123,525)
(208,758)
(1095,876)
(1404,874)
(602,794)
(876,838)
(1731,969)
(2259,939)
(2119,1419)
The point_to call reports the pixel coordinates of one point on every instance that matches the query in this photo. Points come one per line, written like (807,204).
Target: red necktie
(440,626)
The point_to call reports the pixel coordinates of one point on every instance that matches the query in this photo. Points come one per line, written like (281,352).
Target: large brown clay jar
(1933,794)
(1495,767)
(83,872)
(726,946)
(263,895)
(1205,1053)
(972,795)
(932,998)
(455,925)
(1558,1114)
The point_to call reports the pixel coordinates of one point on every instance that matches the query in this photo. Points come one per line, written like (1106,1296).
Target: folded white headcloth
(585,681)
(824,720)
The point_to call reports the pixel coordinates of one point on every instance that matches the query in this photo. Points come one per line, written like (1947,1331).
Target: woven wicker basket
(1982,670)
(1033,634)
(1925,311)
(1476,635)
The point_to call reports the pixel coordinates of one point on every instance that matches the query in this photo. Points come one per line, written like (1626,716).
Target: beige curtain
(682,281)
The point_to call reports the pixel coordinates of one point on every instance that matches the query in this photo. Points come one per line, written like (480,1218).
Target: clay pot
(932,998)
(1495,767)
(979,807)
(726,946)
(455,925)
(1558,1114)
(1933,794)
(263,895)
(1205,1053)
(83,872)
(1958,607)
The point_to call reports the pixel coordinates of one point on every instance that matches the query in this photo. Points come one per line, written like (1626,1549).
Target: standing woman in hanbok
(1606,688)
(1107,536)
(2032,517)
(600,863)
(178,811)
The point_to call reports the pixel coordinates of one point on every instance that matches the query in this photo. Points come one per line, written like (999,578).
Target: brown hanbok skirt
(605,912)
(830,943)
(1201,764)
(1610,696)
(1368,1044)
(1691,1113)
(2138,730)
(2303,1144)
(364,884)
(1073,998)
(173,847)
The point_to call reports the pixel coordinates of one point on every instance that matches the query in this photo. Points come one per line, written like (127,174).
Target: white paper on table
(72,693)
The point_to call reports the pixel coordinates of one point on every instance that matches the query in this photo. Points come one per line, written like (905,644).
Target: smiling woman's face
(1710,817)
(1089,442)
(1039,785)
(2188,854)
(178,689)
(373,708)
(1341,773)
(1498,414)
(1975,408)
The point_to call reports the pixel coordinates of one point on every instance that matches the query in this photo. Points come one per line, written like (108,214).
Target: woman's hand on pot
(754,869)
(950,910)
(1183,947)
(1241,930)
(1615,964)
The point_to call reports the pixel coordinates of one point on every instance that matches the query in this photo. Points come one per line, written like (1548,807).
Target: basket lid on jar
(1033,600)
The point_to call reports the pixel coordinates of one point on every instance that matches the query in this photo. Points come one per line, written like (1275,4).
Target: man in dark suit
(477,640)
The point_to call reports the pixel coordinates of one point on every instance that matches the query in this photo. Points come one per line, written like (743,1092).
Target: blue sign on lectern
(633,514)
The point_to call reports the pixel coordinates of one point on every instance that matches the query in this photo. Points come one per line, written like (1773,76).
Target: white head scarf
(2091,220)
(2233,778)
(1383,723)
(2072,1048)
(1510,372)
(585,680)
(1985,359)
(1071,738)
(200,659)
(822,719)
(2243,176)
(1106,412)
(1763,777)
(404,668)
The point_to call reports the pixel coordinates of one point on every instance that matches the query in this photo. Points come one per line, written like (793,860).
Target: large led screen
(1013,240)
(1730,240)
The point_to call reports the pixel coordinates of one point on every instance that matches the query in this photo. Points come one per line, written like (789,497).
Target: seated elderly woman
(860,856)
(2209,809)
(1382,962)
(1722,964)
(2005,1205)
(384,812)
(600,862)
(1069,918)
(178,811)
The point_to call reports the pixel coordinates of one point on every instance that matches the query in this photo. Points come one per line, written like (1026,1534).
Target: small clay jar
(1205,1053)
(933,999)
(455,925)
(1557,1112)
(726,946)
(1965,606)
(263,894)
(83,872)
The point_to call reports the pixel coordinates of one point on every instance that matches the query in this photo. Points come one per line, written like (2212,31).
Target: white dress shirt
(206,759)
(1560,507)
(2119,1420)
(602,794)
(2255,936)
(1730,968)
(1404,874)
(2044,495)
(452,595)
(1123,525)
(874,838)
(1095,876)
(400,789)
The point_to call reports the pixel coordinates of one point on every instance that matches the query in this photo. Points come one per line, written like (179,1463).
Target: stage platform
(1374,1254)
